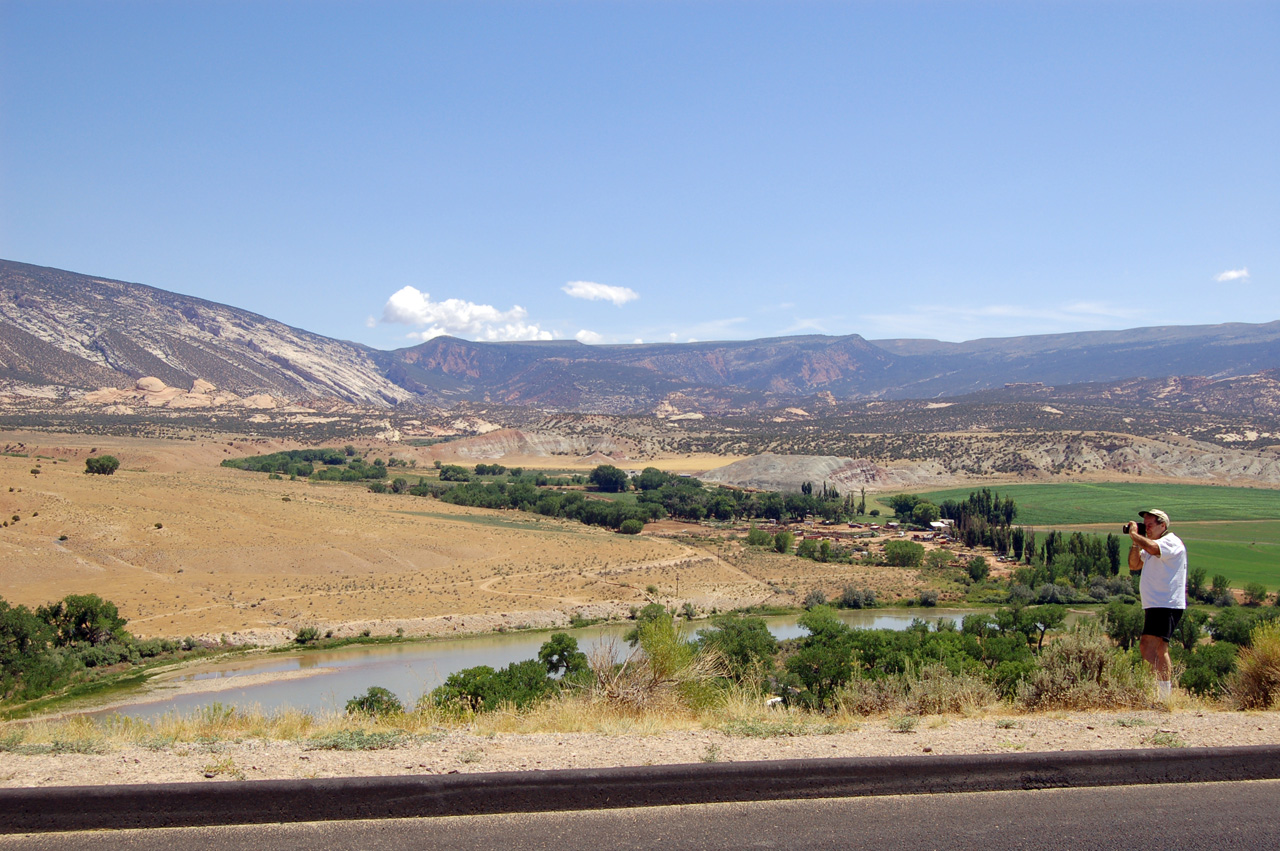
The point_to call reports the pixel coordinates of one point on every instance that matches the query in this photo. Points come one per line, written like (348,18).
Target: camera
(1132,524)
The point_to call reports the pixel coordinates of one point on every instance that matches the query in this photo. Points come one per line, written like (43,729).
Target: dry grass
(1256,683)
(933,690)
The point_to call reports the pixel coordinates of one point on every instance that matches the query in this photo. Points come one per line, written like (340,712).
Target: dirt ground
(472,752)
(185,547)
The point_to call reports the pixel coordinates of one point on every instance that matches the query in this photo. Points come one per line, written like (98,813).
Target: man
(1160,558)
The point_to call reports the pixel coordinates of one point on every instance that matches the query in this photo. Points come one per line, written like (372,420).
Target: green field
(1232,531)
(1073,503)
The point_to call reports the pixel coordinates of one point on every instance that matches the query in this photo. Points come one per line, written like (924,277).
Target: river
(412,669)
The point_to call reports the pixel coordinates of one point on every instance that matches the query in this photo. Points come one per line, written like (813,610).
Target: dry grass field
(186,547)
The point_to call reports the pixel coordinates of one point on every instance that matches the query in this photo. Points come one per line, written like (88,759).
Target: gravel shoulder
(467,752)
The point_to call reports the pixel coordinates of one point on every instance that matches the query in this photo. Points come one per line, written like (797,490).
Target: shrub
(782,542)
(815,597)
(1081,670)
(101,465)
(1236,625)
(307,635)
(482,689)
(664,668)
(758,537)
(1208,668)
(1255,593)
(856,598)
(376,701)
(1256,684)
(631,526)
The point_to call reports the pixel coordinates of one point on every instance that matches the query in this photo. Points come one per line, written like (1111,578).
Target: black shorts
(1161,622)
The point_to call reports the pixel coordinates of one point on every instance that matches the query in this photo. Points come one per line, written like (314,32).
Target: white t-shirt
(1164,577)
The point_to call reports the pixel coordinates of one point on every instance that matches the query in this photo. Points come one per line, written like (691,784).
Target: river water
(411,670)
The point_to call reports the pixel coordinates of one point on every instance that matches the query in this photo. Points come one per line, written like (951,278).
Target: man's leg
(1156,651)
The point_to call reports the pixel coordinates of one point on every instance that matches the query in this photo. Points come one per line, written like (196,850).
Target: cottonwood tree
(101,465)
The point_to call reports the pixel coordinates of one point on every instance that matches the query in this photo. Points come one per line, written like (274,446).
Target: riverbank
(484,747)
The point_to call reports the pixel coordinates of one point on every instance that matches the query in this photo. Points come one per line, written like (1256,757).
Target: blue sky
(660,171)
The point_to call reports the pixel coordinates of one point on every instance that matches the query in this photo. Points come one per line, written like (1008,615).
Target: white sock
(1163,687)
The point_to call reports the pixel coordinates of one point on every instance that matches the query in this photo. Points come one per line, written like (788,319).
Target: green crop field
(1232,531)
(1075,503)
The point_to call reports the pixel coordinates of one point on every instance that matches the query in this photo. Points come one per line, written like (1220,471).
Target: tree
(746,644)
(925,512)
(651,478)
(1045,618)
(904,553)
(1221,590)
(101,465)
(1190,626)
(978,568)
(903,504)
(824,661)
(1196,579)
(782,541)
(938,559)
(1124,623)
(1113,553)
(560,655)
(609,479)
(83,618)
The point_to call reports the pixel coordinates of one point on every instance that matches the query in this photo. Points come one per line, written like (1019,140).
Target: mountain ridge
(72,333)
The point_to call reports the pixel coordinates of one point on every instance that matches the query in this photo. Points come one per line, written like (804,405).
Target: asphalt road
(1188,817)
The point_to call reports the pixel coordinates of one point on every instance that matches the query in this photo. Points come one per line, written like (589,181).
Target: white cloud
(410,306)
(591,338)
(592,291)
(1232,275)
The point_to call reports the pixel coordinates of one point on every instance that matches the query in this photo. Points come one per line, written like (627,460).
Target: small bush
(307,635)
(376,701)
